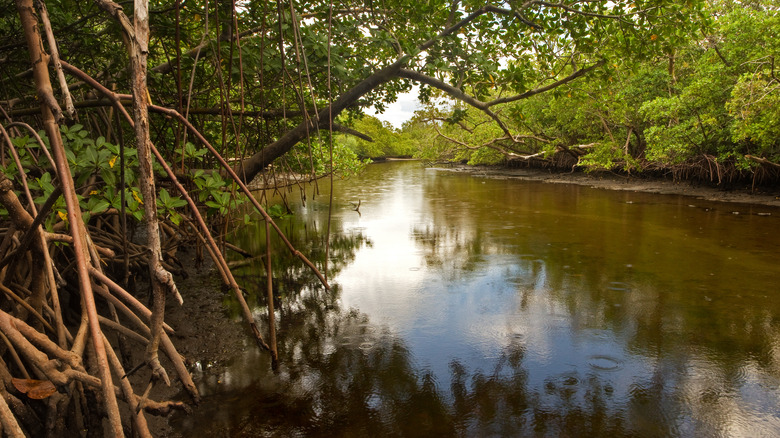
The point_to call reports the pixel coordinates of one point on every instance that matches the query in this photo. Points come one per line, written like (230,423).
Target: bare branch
(347,130)
(492,144)
(55,57)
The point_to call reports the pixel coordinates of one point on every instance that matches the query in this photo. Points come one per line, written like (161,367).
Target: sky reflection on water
(475,306)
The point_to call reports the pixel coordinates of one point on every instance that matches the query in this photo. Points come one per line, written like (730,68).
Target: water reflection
(470,306)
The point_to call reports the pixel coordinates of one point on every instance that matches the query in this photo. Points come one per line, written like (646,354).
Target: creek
(467,305)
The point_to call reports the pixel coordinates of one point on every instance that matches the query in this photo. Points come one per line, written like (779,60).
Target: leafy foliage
(676,93)
(385,141)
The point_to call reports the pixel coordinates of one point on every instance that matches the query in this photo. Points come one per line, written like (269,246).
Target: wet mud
(738,193)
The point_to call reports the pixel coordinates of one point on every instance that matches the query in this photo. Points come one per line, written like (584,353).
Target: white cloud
(401,110)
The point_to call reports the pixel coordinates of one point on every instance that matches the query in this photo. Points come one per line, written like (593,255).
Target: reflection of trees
(341,375)
(290,275)
(622,267)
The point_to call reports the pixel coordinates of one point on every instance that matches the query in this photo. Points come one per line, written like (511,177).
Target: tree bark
(157,274)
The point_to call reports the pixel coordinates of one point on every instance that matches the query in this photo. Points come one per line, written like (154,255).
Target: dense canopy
(260,76)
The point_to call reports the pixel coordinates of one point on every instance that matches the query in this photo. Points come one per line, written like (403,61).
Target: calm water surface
(464,305)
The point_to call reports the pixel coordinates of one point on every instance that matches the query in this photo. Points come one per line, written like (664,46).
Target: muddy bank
(206,334)
(769,196)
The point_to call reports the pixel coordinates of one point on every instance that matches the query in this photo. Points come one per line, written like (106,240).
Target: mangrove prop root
(11,427)
(29,22)
(50,359)
(35,264)
(215,251)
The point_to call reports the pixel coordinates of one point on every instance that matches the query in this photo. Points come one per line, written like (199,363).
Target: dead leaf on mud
(35,389)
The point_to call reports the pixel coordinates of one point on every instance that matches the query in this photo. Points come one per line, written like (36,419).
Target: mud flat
(738,193)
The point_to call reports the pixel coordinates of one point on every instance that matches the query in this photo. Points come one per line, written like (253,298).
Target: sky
(401,110)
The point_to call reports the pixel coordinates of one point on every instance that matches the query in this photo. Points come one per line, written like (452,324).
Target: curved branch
(485,106)
(253,165)
(508,154)
(548,87)
(456,93)
(347,130)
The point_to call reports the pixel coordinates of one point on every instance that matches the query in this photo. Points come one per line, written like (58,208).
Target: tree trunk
(255,164)
(138,57)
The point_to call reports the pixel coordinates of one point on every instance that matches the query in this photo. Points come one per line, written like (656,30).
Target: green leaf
(108,176)
(177,202)
(100,206)
(164,197)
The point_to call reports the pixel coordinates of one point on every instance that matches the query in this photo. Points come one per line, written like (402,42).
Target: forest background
(130,129)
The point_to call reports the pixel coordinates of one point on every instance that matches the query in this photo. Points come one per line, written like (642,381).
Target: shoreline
(765,196)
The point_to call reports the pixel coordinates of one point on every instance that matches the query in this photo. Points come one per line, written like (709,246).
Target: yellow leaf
(137,198)
(62,215)
(113,160)
(94,192)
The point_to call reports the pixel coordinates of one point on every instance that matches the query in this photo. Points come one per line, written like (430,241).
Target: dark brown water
(469,306)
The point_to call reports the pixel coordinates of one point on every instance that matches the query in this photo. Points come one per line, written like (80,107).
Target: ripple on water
(367,329)
(565,382)
(619,286)
(603,362)
(554,323)
(598,334)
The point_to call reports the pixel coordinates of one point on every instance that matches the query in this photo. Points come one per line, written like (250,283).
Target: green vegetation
(698,100)
(384,140)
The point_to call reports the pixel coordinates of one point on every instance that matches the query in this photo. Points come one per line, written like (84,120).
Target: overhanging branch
(456,93)
(549,87)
